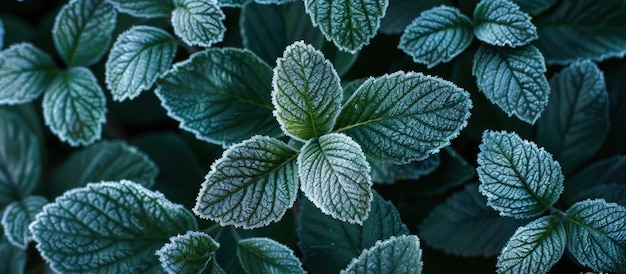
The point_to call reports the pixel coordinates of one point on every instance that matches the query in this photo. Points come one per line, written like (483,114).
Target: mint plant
(288,136)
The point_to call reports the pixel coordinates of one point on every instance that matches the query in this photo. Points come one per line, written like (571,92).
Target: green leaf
(20,158)
(534,248)
(25,73)
(138,56)
(221,95)
(576,120)
(145,8)
(349,24)
(252,185)
(400,13)
(484,232)
(264,255)
(535,6)
(437,36)
(584,29)
(513,79)
(452,171)
(82,31)
(518,178)
(198,22)
(1,35)
(74,107)
(187,253)
(108,227)
(599,173)
(274,2)
(104,161)
(398,254)
(388,173)
(335,176)
(14,259)
(328,244)
(613,193)
(502,23)
(232,3)
(17,216)
(404,117)
(596,235)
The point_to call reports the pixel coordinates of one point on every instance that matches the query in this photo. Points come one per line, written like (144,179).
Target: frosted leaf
(187,253)
(25,73)
(145,8)
(264,255)
(16,218)
(396,255)
(518,178)
(198,22)
(502,23)
(252,185)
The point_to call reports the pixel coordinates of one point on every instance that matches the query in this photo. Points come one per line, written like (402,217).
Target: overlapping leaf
(145,8)
(16,218)
(437,36)
(513,79)
(398,254)
(14,258)
(605,171)
(221,95)
(334,175)
(187,253)
(232,3)
(387,173)
(252,185)
(198,22)
(502,23)
(535,6)
(349,24)
(404,117)
(138,56)
(1,35)
(112,227)
(82,31)
(518,178)
(452,171)
(306,92)
(25,73)
(400,13)
(264,255)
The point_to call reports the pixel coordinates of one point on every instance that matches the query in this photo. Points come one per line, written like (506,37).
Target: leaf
(451,172)
(605,171)
(187,253)
(74,107)
(335,176)
(404,117)
(138,56)
(502,23)
(264,255)
(400,13)
(198,22)
(16,218)
(232,3)
(221,95)
(437,35)
(112,227)
(252,185)
(398,254)
(274,2)
(25,73)
(576,120)
(348,24)
(328,244)
(20,158)
(596,235)
(535,6)
(14,259)
(518,178)
(104,161)
(513,79)
(306,92)
(579,30)
(145,8)
(613,193)
(484,232)
(1,35)
(534,248)
(388,173)
(82,31)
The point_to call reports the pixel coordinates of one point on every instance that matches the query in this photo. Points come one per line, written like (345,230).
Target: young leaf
(25,73)
(221,95)
(518,178)
(82,31)
(535,6)
(145,8)
(534,248)
(335,176)
(513,79)
(252,185)
(104,161)
(108,227)
(596,235)
(264,255)
(328,244)
(14,259)
(74,107)
(138,56)
(349,24)
(437,35)
(576,120)
(502,23)
(398,254)
(20,158)
(306,92)
(198,22)
(187,253)
(17,216)
(404,117)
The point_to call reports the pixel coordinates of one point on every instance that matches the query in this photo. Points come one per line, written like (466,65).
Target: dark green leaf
(17,216)
(25,73)
(605,171)
(613,193)
(396,255)
(13,258)
(535,6)
(232,3)
(198,22)
(451,172)
(264,255)
(187,253)
(388,173)
(145,8)
(1,35)
(502,23)
(400,13)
